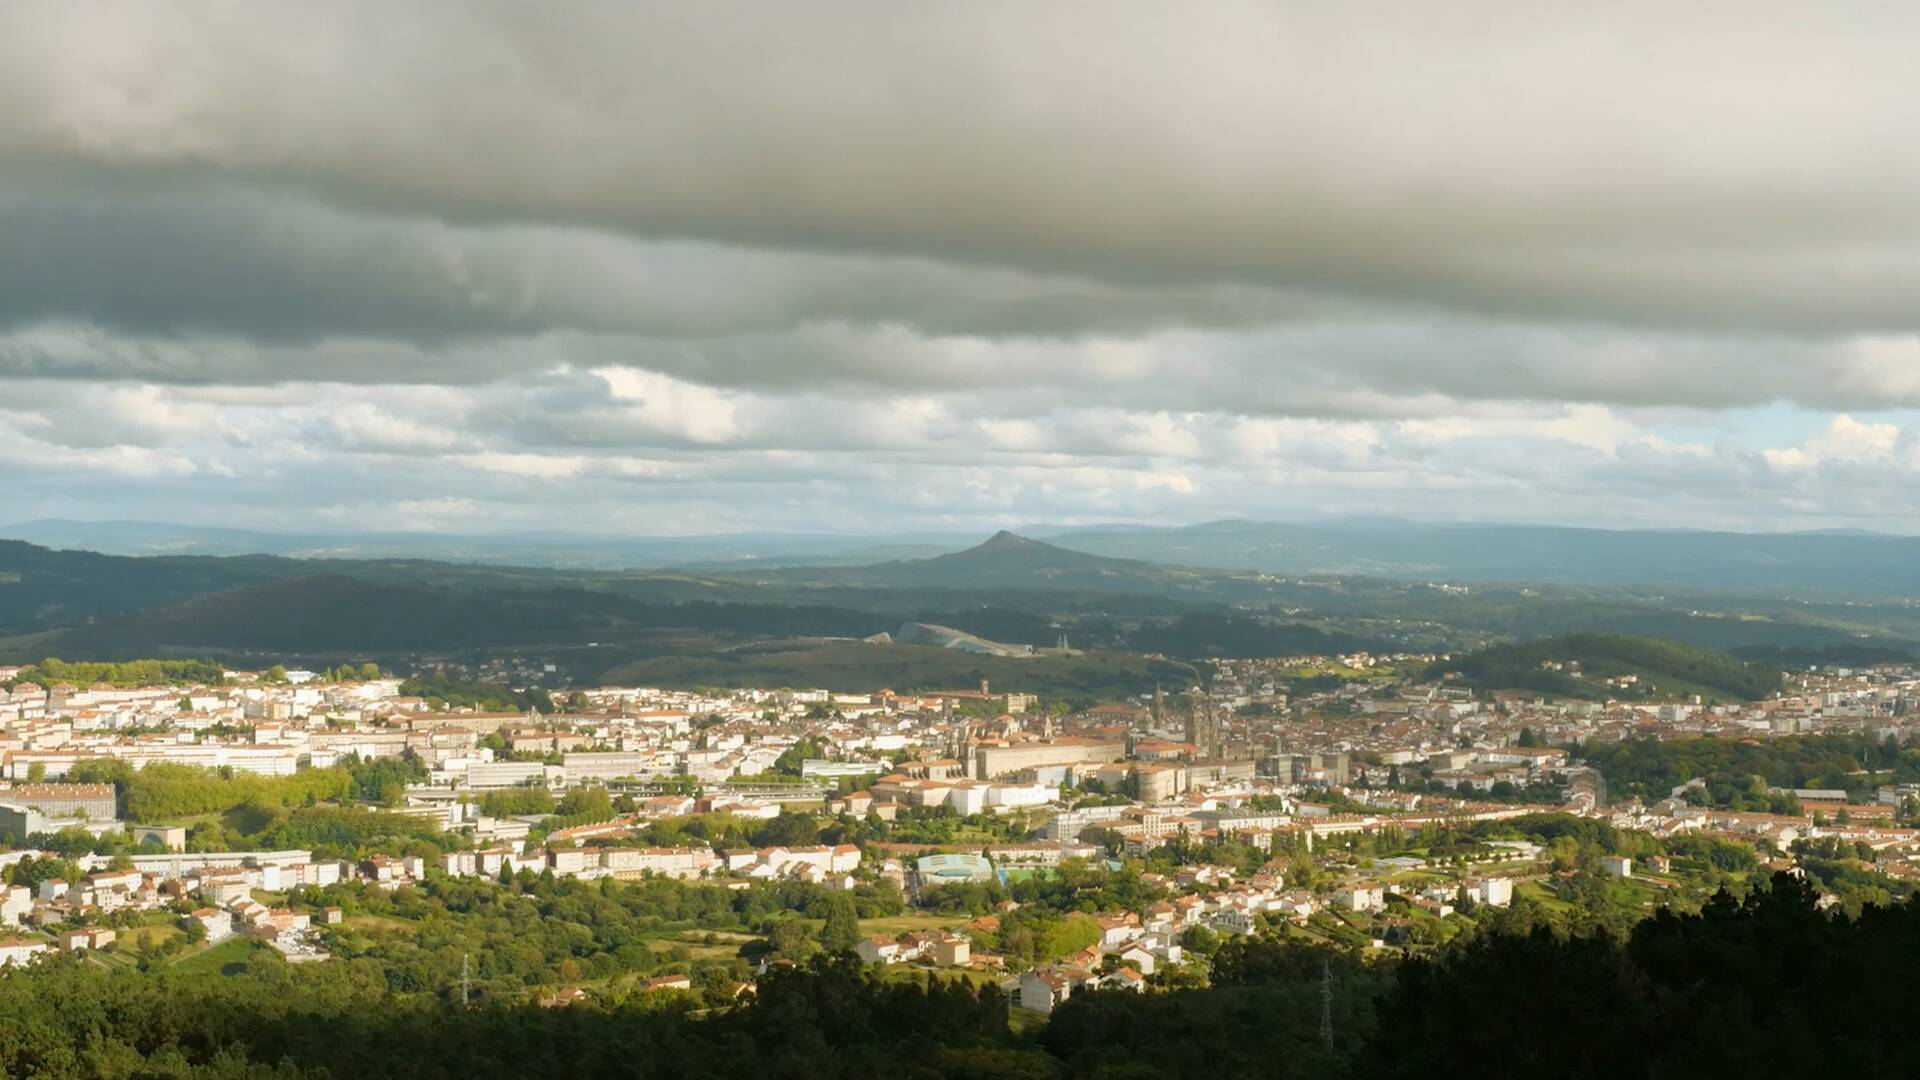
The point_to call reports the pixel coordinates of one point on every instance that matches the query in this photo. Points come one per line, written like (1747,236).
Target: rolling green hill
(1579,665)
(857,667)
(252,609)
(40,588)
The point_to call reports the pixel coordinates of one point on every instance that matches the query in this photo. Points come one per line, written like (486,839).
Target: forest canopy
(1744,987)
(1580,665)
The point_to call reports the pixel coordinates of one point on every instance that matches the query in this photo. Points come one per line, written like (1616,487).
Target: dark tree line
(1738,772)
(1768,985)
(1604,656)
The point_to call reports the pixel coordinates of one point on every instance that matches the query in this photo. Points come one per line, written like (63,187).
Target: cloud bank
(677,268)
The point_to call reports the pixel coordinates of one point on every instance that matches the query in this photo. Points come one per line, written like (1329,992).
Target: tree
(842,931)
(789,762)
(714,985)
(1200,939)
(789,829)
(792,939)
(30,871)
(588,803)
(37,772)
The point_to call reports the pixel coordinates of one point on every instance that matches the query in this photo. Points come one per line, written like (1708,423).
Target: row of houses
(1047,986)
(941,948)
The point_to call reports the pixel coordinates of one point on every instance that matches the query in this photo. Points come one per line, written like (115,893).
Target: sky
(868,266)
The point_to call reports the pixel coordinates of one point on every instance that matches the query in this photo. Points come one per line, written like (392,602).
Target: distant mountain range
(1840,563)
(558,550)
(80,604)
(114,603)
(1011,589)
(1857,563)
(1010,561)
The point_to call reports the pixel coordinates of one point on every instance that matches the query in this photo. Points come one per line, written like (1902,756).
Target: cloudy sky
(692,268)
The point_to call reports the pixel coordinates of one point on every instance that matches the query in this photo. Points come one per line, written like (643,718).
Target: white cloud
(694,412)
(365,426)
(533,466)
(1845,440)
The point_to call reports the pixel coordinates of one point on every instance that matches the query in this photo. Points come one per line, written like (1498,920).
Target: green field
(900,924)
(227,958)
(698,949)
(1027,873)
(906,973)
(1026,1021)
(380,924)
(1418,877)
(129,940)
(1541,895)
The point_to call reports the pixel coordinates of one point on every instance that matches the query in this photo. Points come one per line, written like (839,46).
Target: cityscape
(178,814)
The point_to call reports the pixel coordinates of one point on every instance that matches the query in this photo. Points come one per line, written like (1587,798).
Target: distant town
(1389,811)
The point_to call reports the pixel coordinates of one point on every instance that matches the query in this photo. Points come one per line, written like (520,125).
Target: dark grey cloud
(285,269)
(1713,164)
(1392,364)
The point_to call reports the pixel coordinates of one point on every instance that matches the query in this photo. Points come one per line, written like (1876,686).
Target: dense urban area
(1321,834)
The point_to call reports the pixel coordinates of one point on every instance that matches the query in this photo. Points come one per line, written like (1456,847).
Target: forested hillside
(1736,773)
(1611,666)
(315,613)
(40,588)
